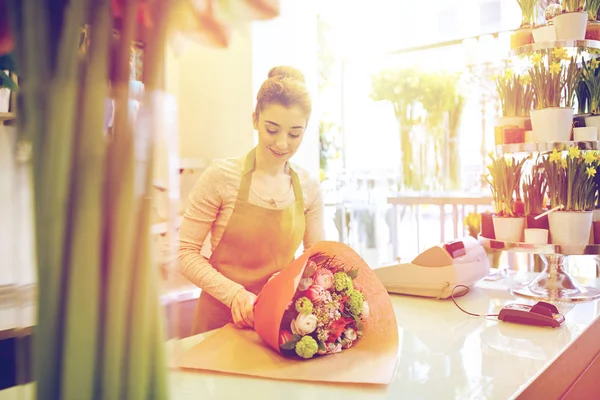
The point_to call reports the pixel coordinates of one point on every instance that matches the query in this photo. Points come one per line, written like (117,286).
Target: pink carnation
(315,293)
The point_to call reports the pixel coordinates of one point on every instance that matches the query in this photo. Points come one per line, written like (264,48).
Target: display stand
(553,283)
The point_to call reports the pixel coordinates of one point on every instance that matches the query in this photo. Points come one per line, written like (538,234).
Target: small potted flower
(554,81)
(590,76)
(592,31)
(571,188)
(534,189)
(504,179)
(523,36)
(571,24)
(516,98)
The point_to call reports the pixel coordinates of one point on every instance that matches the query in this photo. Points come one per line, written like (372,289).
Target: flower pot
(536,236)
(533,223)
(571,26)
(593,120)
(521,37)
(513,135)
(509,229)
(592,31)
(546,33)
(552,124)
(487,226)
(4,99)
(596,228)
(585,134)
(570,228)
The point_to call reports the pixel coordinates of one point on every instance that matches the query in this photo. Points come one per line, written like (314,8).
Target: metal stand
(555,284)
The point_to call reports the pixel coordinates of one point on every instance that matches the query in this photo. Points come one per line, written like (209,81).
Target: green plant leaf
(353,273)
(291,345)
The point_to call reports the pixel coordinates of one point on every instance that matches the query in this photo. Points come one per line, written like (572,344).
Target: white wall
(213,88)
(291,39)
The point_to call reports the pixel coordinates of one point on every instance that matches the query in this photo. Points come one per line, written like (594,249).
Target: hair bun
(286,72)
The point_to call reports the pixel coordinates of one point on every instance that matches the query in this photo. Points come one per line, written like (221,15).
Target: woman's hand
(242,309)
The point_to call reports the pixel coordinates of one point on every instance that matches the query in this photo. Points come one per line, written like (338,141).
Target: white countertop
(443,353)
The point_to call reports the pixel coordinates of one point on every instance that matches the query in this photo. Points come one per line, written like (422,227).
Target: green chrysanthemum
(307,347)
(304,305)
(355,302)
(341,281)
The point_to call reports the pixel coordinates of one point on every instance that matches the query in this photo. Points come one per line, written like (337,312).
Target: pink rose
(304,284)
(315,293)
(324,278)
(284,337)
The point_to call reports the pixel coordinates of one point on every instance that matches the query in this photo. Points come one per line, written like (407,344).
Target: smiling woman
(257,207)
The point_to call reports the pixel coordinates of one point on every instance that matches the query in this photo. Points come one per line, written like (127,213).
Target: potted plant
(554,82)
(571,188)
(516,98)
(572,22)
(591,79)
(523,35)
(7,84)
(592,30)
(504,179)
(534,189)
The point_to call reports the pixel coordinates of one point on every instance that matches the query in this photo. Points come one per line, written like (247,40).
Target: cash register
(437,270)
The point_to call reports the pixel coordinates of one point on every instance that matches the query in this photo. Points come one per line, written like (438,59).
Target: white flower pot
(536,236)
(571,26)
(512,121)
(552,124)
(546,33)
(4,99)
(585,134)
(593,120)
(570,228)
(508,229)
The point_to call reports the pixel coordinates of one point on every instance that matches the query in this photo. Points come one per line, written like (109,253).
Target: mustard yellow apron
(256,243)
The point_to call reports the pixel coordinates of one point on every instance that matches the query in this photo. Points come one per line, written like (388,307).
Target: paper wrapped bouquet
(325,317)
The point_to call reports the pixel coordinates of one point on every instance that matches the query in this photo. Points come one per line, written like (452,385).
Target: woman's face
(280,131)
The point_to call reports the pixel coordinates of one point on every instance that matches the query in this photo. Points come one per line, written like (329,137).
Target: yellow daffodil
(563,162)
(508,74)
(536,58)
(589,157)
(574,152)
(555,156)
(555,68)
(560,53)
(594,63)
(525,79)
(591,172)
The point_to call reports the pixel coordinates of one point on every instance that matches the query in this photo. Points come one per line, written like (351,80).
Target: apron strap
(297,189)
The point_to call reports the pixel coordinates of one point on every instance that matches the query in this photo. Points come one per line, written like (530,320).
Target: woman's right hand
(242,309)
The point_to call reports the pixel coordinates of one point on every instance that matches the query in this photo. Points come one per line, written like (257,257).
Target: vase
(552,124)
(536,236)
(570,228)
(521,37)
(509,229)
(544,34)
(571,26)
(592,31)
(585,134)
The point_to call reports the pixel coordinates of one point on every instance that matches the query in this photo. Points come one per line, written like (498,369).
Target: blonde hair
(285,86)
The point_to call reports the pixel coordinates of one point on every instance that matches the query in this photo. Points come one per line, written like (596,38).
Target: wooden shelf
(579,44)
(544,147)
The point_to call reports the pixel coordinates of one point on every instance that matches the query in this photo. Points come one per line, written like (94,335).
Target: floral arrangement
(591,79)
(571,179)
(554,80)
(516,93)
(327,312)
(527,8)
(534,189)
(504,179)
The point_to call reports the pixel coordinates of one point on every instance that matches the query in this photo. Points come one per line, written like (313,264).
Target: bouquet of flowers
(328,300)
(327,311)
